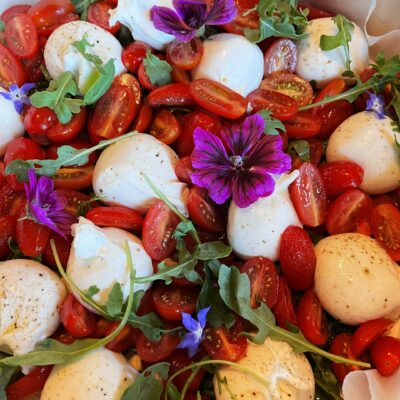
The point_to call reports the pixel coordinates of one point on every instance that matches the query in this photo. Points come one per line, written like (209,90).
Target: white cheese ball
(98,258)
(289,375)
(11,123)
(257,229)
(355,279)
(233,61)
(313,63)
(369,142)
(30,298)
(101,374)
(6,4)
(118,174)
(135,15)
(60,56)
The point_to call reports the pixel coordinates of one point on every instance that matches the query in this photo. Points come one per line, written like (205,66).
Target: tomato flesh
(185,55)
(280,56)
(156,351)
(98,14)
(303,125)
(11,68)
(165,126)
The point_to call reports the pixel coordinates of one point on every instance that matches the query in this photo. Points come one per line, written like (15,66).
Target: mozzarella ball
(98,258)
(257,229)
(30,297)
(118,175)
(6,4)
(60,56)
(289,374)
(355,279)
(313,63)
(135,15)
(369,142)
(11,123)
(101,374)
(233,61)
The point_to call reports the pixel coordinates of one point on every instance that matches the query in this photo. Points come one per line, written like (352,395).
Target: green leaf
(300,148)
(81,46)
(389,67)
(5,375)
(115,300)
(101,84)
(158,71)
(213,250)
(82,7)
(2,26)
(183,228)
(92,290)
(150,324)
(271,124)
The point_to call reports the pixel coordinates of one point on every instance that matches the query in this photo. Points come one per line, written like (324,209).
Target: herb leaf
(82,7)
(300,148)
(5,375)
(271,124)
(158,71)
(115,300)
(92,291)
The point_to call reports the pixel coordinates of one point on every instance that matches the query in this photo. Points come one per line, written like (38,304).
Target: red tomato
(144,79)
(339,176)
(244,19)
(364,227)
(7,233)
(173,95)
(165,126)
(47,31)
(383,199)
(179,75)
(281,106)
(133,84)
(98,14)
(30,384)
(385,221)
(156,351)
(303,125)
(51,151)
(218,98)
(346,211)
(8,197)
(309,196)
(33,65)
(13,11)
(341,347)
(315,12)
(280,56)
(283,310)
(63,247)
(332,115)
(185,55)
(133,55)
(49,12)
(316,153)
(117,217)
(312,320)
(75,178)
(37,123)
(385,354)
(75,199)
(183,170)
(367,333)
(291,85)
(172,301)
(297,258)
(11,69)
(124,340)
(333,88)
(143,118)
(264,280)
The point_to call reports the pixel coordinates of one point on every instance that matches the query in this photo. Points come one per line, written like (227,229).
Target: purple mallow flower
(195,328)
(19,96)
(376,103)
(46,205)
(190,16)
(244,171)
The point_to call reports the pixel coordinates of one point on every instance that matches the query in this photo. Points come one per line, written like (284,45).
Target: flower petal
(26,87)
(190,323)
(222,12)
(30,187)
(202,316)
(6,95)
(19,106)
(193,12)
(191,342)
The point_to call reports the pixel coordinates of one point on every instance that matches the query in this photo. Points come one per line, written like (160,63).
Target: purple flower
(46,205)
(19,96)
(190,16)
(244,171)
(195,336)
(376,103)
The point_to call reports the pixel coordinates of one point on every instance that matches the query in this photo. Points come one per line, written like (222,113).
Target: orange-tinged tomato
(75,178)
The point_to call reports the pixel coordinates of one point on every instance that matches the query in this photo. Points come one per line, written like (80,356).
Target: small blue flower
(19,96)
(195,328)
(376,103)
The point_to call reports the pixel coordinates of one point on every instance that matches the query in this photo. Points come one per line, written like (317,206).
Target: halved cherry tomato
(158,227)
(75,178)
(309,196)
(11,68)
(280,56)
(332,115)
(315,12)
(385,354)
(165,126)
(124,340)
(38,121)
(347,210)
(179,75)
(117,217)
(244,19)
(264,280)
(98,14)
(281,106)
(173,95)
(144,79)
(283,310)
(303,125)
(364,227)
(13,11)
(339,176)
(61,133)
(367,333)
(156,351)
(49,12)
(291,85)
(383,199)
(341,347)
(132,83)
(133,55)
(333,88)
(63,247)
(385,221)
(312,320)
(183,170)
(185,55)
(218,98)
(143,118)
(7,232)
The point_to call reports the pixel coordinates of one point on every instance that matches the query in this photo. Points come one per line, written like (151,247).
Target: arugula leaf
(385,67)
(115,300)
(300,148)
(213,250)
(342,38)
(81,45)
(5,375)
(158,71)
(183,228)
(93,290)
(271,124)
(2,26)
(150,324)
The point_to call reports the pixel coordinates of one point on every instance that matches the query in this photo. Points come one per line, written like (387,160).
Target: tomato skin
(133,55)
(283,310)
(7,233)
(244,19)
(48,12)
(13,11)
(8,197)
(144,78)
(367,333)
(312,320)
(75,178)
(184,169)
(297,258)
(315,12)
(37,123)
(172,95)
(98,14)
(124,340)
(341,347)
(143,118)
(156,351)
(47,31)
(303,125)
(280,56)
(165,126)
(63,247)
(385,354)
(11,68)
(185,55)
(339,176)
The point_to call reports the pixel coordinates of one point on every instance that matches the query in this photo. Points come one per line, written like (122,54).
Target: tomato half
(303,125)
(183,170)
(185,55)
(244,18)
(333,88)
(98,14)
(13,11)
(385,354)
(49,12)
(332,115)
(283,310)
(341,347)
(280,56)
(7,233)
(156,351)
(63,247)
(75,178)
(133,55)
(51,151)
(314,12)
(165,126)
(11,69)
(173,95)
(124,340)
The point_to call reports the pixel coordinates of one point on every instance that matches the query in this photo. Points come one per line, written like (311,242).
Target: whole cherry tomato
(173,95)
(385,354)
(37,123)
(49,12)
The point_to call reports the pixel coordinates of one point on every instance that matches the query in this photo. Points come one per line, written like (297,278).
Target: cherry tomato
(264,280)
(283,310)
(133,55)
(341,347)
(63,247)
(173,95)
(332,115)
(280,56)
(165,126)
(364,227)
(133,84)
(315,12)
(8,197)
(309,196)
(13,11)
(339,176)
(347,210)
(383,199)
(179,75)
(297,258)
(312,320)
(37,123)
(124,340)
(144,79)
(281,106)
(291,85)
(244,19)
(218,98)
(75,200)
(98,14)
(11,68)
(51,151)
(49,12)
(7,233)
(385,354)
(33,66)
(156,351)
(185,55)
(143,118)
(183,170)
(385,221)
(75,178)
(117,217)
(303,125)
(61,133)
(30,384)
(316,153)
(333,88)
(158,227)
(367,333)
(47,31)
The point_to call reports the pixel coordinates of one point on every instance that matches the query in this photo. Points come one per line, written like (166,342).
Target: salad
(198,200)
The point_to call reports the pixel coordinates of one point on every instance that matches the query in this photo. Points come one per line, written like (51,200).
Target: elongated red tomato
(173,95)
(283,310)
(49,12)
(165,126)
(13,11)
(156,351)
(75,178)
(303,125)
(280,56)
(11,69)
(185,55)
(385,354)
(333,88)
(341,347)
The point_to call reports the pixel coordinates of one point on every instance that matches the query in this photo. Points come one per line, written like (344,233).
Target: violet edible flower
(244,171)
(190,16)
(19,96)
(376,103)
